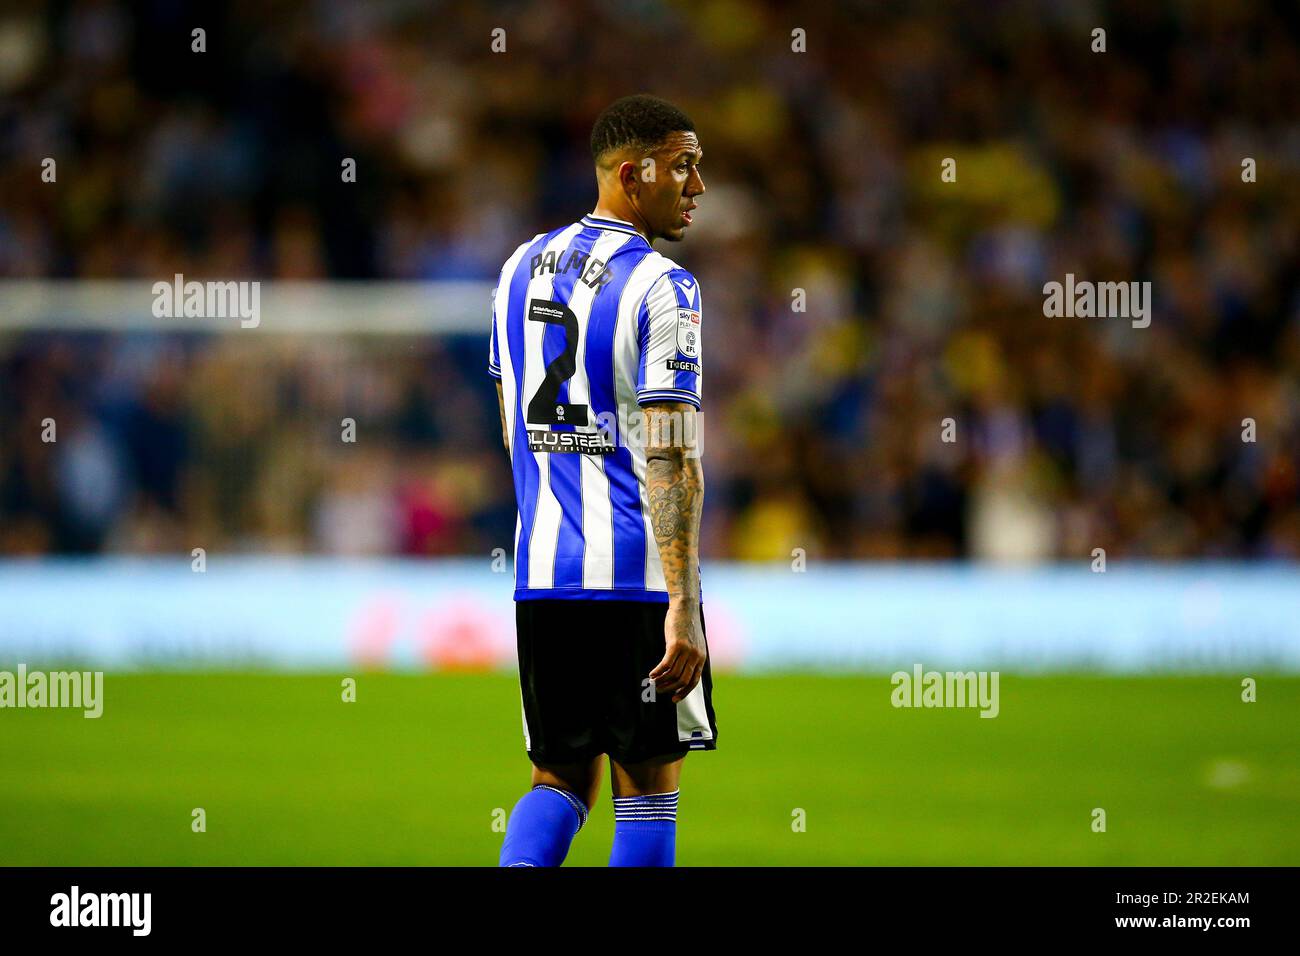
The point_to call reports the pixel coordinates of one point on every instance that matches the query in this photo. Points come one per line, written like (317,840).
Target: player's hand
(684,651)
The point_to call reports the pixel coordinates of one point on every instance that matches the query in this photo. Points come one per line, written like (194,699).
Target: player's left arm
(494,369)
(501,405)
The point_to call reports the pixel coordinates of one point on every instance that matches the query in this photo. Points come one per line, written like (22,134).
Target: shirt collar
(607,222)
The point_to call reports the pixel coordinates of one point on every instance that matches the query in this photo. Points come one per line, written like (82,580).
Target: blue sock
(541,827)
(645,830)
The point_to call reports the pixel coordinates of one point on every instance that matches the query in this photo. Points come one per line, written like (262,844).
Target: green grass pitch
(412,772)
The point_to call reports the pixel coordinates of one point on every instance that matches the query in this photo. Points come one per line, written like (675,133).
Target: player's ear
(627,176)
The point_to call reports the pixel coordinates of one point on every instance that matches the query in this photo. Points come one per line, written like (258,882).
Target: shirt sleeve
(669,335)
(494,356)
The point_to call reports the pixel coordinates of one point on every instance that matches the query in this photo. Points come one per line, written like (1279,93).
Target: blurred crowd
(880,378)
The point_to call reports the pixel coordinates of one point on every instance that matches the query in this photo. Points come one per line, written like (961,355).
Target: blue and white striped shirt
(588,324)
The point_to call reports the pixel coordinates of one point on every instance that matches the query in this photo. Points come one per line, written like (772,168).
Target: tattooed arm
(675,489)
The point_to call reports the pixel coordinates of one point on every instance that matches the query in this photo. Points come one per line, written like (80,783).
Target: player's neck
(603,211)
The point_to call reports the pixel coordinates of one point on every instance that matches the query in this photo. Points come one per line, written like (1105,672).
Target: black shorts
(583,669)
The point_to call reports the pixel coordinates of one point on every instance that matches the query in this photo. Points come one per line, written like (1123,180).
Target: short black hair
(641,121)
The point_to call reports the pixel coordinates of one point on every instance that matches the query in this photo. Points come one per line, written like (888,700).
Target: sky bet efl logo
(688,332)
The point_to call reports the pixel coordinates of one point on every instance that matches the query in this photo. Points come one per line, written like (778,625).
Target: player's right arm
(675,491)
(668,390)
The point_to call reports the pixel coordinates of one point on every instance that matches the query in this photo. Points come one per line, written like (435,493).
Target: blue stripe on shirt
(624,490)
(566,470)
(526,472)
(684,380)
